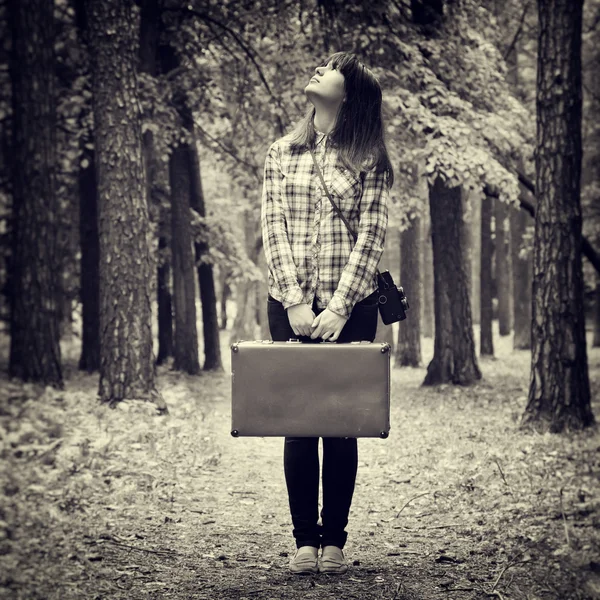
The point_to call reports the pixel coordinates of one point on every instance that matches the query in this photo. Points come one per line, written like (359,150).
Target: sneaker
(333,561)
(305,561)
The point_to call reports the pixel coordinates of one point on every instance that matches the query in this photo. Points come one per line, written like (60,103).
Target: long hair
(358,133)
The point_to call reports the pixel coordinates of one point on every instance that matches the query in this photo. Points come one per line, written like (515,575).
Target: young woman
(322,284)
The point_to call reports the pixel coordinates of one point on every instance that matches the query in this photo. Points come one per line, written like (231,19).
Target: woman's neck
(324,119)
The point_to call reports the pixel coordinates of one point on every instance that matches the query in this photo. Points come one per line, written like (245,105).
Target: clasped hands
(327,325)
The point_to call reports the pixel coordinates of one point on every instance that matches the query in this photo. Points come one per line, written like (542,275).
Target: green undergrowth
(457,503)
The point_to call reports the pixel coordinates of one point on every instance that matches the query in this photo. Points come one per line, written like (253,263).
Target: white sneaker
(305,561)
(333,561)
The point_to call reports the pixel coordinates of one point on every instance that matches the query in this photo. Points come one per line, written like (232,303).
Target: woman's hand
(301,318)
(328,325)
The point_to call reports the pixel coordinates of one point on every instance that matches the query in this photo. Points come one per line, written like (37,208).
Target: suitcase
(310,390)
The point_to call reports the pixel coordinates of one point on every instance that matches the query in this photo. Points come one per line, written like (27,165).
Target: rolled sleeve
(276,242)
(359,272)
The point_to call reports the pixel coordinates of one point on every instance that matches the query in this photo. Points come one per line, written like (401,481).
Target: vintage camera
(392,300)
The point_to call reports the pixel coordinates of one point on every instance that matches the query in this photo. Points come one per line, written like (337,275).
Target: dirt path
(456,503)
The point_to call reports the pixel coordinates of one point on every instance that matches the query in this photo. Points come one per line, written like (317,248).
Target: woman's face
(327,85)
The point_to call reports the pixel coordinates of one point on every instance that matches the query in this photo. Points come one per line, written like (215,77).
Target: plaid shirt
(309,251)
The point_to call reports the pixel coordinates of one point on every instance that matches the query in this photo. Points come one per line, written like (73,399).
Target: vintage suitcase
(306,390)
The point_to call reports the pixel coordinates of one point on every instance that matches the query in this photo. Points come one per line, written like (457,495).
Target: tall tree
(89,265)
(206,278)
(427,301)
(559,393)
(522,272)
(150,31)
(35,267)
(475,225)
(185,347)
(454,357)
(127,366)
(503,268)
(486,340)
(408,349)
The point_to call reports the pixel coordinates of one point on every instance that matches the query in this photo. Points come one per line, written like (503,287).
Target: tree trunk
(185,347)
(428,302)
(89,266)
(475,223)
(127,365)
(164,301)
(454,357)
(596,342)
(89,359)
(225,296)
(408,349)
(486,338)
(35,264)
(522,272)
(206,277)
(150,28)
(503,269)
(559,393)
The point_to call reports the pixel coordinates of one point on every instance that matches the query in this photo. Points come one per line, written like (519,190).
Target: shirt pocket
(346,189)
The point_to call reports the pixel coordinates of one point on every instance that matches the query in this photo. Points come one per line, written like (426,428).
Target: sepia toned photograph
(299,300)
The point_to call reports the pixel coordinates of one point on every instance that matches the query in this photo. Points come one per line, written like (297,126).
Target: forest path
(456,503)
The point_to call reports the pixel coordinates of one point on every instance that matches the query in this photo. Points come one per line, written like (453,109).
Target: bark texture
(127,365)
(35,266)
(522,265)
(559,393)
(503,269)
(408,349)
(486,339)
(185,347)
(454,357)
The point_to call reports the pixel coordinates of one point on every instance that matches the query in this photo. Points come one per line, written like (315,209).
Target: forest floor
(457,504)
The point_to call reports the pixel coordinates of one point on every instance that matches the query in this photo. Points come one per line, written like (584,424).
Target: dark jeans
(340,455)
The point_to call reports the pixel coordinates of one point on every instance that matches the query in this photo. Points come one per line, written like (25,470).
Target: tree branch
(587,249)
(254,168)
(518,33)
(245,47)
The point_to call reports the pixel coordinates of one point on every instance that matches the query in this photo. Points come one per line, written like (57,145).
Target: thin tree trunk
(428,301)
(164,301)
(408,349)
(35,264)
(503,269)
(150,28)
(454,357)
(486,338)
(559,393)
(596,342)
(89,359)
(522,273)
(206,278)
(127,366)
(475,223)
(89,266)
(185,347)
